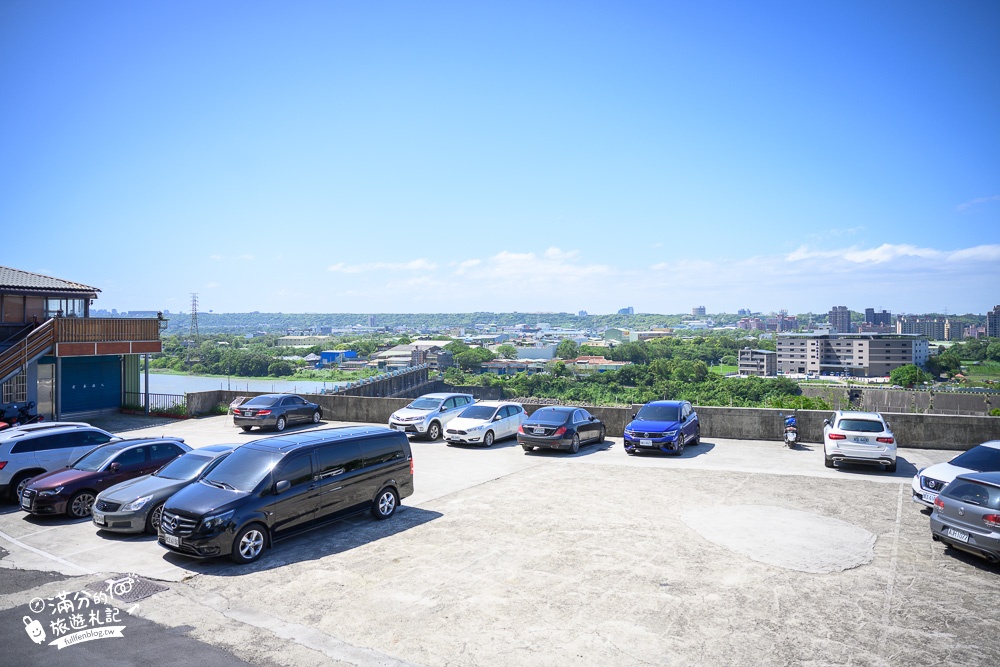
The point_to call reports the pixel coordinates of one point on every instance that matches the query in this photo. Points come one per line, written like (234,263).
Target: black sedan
(276,411)
(560,427)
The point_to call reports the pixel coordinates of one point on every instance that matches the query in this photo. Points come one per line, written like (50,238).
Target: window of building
(15,390)
(64,307)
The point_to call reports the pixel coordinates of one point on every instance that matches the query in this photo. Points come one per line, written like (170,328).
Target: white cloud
(412,265)
(976,203)
(215,257)
(247,257)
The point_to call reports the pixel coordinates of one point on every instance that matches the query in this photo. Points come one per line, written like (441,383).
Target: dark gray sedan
(276,411)
(967,515)
(136,505)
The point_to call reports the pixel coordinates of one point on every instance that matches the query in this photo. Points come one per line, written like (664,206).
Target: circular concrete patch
(782,537)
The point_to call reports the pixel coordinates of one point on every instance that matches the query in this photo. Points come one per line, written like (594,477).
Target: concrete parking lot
(738,552)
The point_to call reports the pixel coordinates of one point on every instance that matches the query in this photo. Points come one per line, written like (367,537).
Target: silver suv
(31,450)
(429,414)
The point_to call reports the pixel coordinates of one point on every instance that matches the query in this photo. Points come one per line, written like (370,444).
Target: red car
(72,490)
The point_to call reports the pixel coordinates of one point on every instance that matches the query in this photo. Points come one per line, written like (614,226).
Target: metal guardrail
(15,358)
(157,402)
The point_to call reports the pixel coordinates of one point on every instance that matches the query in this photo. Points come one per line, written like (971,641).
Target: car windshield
(548,416)
(478,412)
(659,413)
(260,402)
(243,470)
(425,404)
(980,459)
(861,425)
(185,467)
(94,459)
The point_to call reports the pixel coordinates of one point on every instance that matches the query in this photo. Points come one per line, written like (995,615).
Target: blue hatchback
(664,426)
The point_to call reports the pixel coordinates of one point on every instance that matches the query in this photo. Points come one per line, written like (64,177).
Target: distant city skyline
(558,156)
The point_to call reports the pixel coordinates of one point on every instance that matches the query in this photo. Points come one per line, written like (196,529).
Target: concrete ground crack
(890,583)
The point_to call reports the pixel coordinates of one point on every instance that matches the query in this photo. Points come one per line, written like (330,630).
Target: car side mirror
(282,486)
(633,415)
(826,422)
(115,467)
(593,418)
(442,409)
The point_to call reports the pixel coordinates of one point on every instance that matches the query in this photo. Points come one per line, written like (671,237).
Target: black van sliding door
(340,479)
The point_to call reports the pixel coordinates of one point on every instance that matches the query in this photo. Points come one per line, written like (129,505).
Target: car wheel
(280,424)
(630,452)
(527,450)
(680,444)
(79,506)
(386,504)
(434,431)
(827,461)
(153,519)
(574,446)
(600,436)
(891,467)
(246,429)
(317,417)
(248,544)
(696,440)
(17,488)
(488,439)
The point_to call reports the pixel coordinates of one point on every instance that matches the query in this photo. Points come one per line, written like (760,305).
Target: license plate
(959,535)
(399,428)
(538,431)
(172,540)
(929,497)
(98,518)
(25,504)
(645,443)
(861,439)
(791,437)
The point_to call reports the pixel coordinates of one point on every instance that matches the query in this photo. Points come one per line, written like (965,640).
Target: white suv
(33,449)
(429,414)
(859,437)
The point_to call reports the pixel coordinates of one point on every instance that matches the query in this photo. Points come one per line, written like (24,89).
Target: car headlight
(669,433)
(217,521)
(51,492)
(476,428)
(136,504)
(629,432)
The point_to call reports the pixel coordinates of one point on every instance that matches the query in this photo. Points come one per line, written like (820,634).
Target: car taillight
(2,464)
(887,441)
(263,412)
(837,436)
(560,431)
(992,520)
(520,428)
(938,503)
(411,466)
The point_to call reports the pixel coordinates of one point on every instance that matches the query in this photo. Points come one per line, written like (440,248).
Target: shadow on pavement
(690,451)
(325,540)
(904,469)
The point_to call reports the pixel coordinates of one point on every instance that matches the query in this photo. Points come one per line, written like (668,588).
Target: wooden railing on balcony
(105,329)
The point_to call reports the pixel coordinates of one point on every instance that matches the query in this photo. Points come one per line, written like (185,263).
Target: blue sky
(535,156)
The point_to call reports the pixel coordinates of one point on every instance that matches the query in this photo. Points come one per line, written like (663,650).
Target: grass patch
(722,370)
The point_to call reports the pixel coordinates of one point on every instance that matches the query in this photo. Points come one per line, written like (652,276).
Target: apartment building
(840,319)
(932,328)
(993,323)
(859,354)
(758,362)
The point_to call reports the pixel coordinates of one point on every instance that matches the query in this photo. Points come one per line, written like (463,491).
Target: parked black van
(277,487)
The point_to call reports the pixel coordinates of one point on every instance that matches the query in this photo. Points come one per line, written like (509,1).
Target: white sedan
(484,423)
(929,482)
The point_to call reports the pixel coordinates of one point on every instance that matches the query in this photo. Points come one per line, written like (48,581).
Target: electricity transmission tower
(192,343)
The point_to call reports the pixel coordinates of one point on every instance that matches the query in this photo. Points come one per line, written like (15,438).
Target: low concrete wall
(874,399)
(920,431)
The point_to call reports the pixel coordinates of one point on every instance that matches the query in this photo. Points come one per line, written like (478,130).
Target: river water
(182,384)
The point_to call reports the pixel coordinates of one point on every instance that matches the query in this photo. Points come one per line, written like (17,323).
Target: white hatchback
(484,423)
(930,481)
(858,437)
